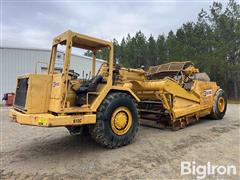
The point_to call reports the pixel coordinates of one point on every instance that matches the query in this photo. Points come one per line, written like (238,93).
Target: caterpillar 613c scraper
(115,100)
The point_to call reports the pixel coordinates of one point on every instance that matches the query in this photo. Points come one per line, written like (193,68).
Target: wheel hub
(221,104)
(121,120)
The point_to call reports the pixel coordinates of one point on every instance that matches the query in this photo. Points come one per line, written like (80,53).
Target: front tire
(117,121)
(219,105)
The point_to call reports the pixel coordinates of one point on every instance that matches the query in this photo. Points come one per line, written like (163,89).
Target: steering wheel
(73,74)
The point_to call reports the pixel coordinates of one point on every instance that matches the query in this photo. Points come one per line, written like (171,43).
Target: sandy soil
(51,153)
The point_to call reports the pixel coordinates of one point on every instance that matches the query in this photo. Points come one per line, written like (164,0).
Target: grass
(231,101)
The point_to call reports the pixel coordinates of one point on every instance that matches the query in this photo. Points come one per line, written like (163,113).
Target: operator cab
(76,91)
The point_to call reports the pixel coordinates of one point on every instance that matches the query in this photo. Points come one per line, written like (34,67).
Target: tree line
(212,44)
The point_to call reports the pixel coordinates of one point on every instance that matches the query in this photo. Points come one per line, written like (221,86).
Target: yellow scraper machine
(115,100)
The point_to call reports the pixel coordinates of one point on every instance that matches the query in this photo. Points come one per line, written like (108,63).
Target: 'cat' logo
(56,84)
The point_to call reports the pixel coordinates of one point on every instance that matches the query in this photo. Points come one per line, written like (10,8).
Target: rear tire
(117,121)
(219,105)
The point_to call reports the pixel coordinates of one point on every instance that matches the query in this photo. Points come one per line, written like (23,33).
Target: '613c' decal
(77,120)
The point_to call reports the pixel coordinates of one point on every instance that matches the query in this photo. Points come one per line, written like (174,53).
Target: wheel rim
(121,121)
(221,104)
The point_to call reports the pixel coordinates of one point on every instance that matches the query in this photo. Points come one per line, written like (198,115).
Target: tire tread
(97,130)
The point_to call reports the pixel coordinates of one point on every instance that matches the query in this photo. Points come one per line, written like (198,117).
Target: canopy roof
(82,41)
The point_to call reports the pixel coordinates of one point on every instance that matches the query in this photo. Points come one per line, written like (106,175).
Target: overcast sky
(34,24)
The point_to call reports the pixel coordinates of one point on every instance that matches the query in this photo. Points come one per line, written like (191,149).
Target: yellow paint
(121,120)
(221,104)
(56,94)
(50,120)
(37,99)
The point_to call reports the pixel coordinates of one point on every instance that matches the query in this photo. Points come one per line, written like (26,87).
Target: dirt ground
(51,153)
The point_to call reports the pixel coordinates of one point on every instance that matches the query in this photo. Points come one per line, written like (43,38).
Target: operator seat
(89,86)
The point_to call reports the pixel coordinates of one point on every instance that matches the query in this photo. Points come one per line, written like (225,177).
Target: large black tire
(102,131)
(217,112)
